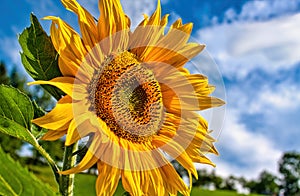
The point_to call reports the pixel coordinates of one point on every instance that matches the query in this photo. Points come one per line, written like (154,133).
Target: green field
(85,184)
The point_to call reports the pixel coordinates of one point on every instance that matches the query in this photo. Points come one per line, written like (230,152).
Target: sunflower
(128,91)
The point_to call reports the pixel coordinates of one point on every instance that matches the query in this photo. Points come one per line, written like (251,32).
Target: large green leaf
(14,129)
(16,106)
(16,113)
(39,56)
(16,180)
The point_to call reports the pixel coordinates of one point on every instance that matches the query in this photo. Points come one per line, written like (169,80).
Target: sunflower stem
(67,181)
(50,161)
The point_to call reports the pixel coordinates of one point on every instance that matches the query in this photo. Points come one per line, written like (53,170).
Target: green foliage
(16,106)
(39,56)
(289,167)
(85,184)
(229,183)
(4,79)
(16,180)
(8,143)
(203,192)
(266,184)
(210,179)
(44,173)
(16,113)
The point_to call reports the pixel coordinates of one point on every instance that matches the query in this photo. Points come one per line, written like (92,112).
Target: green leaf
(16,113)
(16,180)
(15,106)
(39,56)
(14,129)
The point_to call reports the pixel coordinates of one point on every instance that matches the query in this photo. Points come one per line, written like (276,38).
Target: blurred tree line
(266,183)
(287,183)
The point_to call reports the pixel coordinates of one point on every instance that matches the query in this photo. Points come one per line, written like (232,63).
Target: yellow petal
(86,21)
(175,150)
(187,28)
(58,117)
(72,135)
(185,54)
(164,20)
(63,83)
(181,35)
(168,172)
(65,39)
(184,92)
(131,182)
(67,67)
(156,185)
(155,18)
(68,44)
(108,179)
(148,33)
(143,39)
(209,102)
(198,157)
(177,23)
(79,128)
(145,21)
(187,103)
(112,18)
(166,48)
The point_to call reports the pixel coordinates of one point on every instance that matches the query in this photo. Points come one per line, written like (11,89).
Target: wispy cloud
(136,9)
(269,46)
(243,152)
(254,51)
(10,48)
(263,10)
(279,97)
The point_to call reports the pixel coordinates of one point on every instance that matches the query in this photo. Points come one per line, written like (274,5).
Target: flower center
(127,96)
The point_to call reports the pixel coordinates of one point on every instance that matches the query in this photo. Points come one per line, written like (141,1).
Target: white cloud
(11,49)
(251,148)
(136,9)
(262,10)
(249,153)
(280,97)
(243,47)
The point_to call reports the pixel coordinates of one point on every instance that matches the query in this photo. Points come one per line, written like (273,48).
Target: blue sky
(256,46)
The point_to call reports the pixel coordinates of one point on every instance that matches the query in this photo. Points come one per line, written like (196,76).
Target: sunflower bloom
(128,91)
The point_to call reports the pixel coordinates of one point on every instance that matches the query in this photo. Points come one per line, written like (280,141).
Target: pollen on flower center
(127,96)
